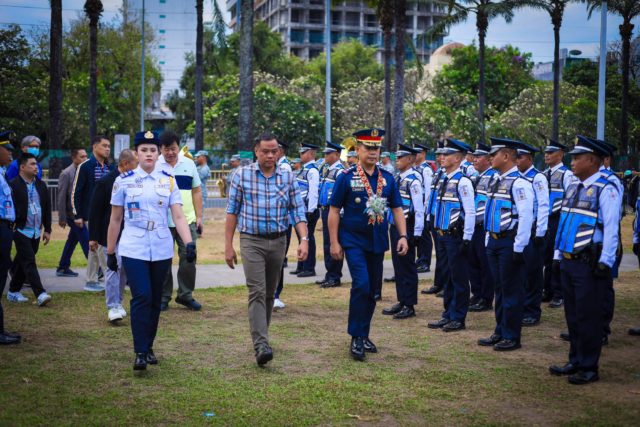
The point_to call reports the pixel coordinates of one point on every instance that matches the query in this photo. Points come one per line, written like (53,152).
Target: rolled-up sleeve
(296,206)
(235,194)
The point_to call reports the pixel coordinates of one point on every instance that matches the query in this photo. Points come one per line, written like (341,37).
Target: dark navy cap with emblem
(609,146)
(369,137)
(527,149)
(420,148)
(332,148)
(405,150)
(552,146)
(304,147)
(4,140)
(498,144)
(283,144)
(482,149)
(451,146)
(146,137)
(587,145)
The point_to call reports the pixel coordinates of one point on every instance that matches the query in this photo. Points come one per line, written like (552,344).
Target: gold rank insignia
(148,135)
(590,192)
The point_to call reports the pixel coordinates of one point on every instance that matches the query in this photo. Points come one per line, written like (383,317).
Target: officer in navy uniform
(7,218)
(425,243)
(332,168)
(454,221)
(585,251)
(480,276)
(143,197)
(534,251)
(467,166)
(508,219)
(283,164)
(365,191)
(309,184)
(405,270)
(559,178)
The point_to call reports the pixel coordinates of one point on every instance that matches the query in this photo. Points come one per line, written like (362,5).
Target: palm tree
(385,12)
(628,10)
(55,76)
(397,126)
(484,10)
(93,9)
(245,119)
(199,70)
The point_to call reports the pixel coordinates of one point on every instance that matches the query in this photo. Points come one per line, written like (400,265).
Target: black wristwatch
(403,236)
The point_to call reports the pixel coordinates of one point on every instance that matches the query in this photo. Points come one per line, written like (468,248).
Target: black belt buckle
(151,225)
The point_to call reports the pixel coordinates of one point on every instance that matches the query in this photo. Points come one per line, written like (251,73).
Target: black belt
(6,222)
(269,236)
(580,256)
(503,234)
(454,233)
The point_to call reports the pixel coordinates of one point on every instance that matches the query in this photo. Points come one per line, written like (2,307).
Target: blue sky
(530,30)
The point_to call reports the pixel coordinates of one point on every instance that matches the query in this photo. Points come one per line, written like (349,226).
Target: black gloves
(112,262)
(191,252)
(555,266)
(539,242)
(602,271)
(518,258)
(464,247)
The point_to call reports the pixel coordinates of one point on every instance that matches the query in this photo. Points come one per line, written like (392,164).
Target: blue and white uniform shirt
(541,202)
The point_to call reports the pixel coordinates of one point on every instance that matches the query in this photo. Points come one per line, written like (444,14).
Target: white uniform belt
(146,225)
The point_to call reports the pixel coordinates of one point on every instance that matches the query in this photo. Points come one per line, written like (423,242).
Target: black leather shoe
(309,273)
(453,326)
(389,279)
(264,355)
(564,336)
(396,308)
(405,313)
(481,305)
(151,358)
(530,321)
(424,269)
(634,331)
(440,294)
(191,304)
(583,377)
(431,290)
(567,369)
(438,324)
(492,340)
(556,303)
(140,364)
(474,301)
(164,306)
(296,271)
(546,296)
(331,284)
(12,335)
(377,297)
(6,339)
(369,347)
(506,345)
(357,348)
(321,282)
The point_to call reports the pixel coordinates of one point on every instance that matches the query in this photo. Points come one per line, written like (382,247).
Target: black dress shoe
(321,281)
(481,305)
(431,290)
(396,308)
(546,297)
(556,303)
(12,335)
(309,273)
(140,364)
(567,369)
(405,313)
(424,269)
(492,340)
(440,294)
(369,347)
(634,331)
(583,377)
(474,301)
(8,339)
(164,306)
(453,326)
(151,358)
(191,304)
(264,355)
(296,271)
(357,348)
(438,324)
(377,297)
(530,321)
(506,345)
(331,284)
(564,336)
(389,279)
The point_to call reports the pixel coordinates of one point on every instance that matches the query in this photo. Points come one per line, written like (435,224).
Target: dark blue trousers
(552,284)
(366,273)
(441,276)
(286,251)
(609,305)
(6,238)
(424,245)
(334,267)
(534,281)
(405,270)
(583,295)
(456,291)
(312,219)
(76,235)
(145,281)
(480,276)
(509,287)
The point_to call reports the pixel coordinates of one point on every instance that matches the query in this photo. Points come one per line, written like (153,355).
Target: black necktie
(443,188)
(576,196)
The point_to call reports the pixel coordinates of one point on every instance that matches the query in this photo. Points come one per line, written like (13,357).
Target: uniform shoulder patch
(126,174)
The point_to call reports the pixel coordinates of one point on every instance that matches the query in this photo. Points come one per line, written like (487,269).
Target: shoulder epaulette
(126,174)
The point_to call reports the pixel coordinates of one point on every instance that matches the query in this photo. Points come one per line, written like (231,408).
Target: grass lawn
(73,368)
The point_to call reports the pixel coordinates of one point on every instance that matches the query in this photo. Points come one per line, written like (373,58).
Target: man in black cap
(424,244)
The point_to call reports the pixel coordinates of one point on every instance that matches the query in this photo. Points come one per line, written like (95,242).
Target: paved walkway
(220,275)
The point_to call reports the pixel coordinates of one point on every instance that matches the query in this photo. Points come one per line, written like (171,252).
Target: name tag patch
(133,210)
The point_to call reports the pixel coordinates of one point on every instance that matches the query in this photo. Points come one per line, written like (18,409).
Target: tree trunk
(93,75)
(198,89)
(55,136)
(386,23)
(556,20)
(482,23)
(626,30)
(245,118)
(397,127)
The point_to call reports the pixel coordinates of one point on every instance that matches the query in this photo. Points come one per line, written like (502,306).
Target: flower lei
(376,204)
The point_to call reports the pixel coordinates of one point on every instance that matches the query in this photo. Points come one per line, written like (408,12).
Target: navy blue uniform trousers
(552,283)
(583,295)
(480,275)
(310,263)
(424,245)
(6,237)
(286,251)
(456,290)
(334,267)
(145,281)
(405,270)
(441,275)
(509,286)
(534,281)
(366,275)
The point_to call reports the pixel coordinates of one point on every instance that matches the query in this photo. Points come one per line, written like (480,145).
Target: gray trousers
(262,263)
(114,283)
(186,270)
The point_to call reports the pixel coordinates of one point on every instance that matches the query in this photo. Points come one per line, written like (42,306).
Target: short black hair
(97,139)
(265,136)
(75,151)
(24,158)
(168,137)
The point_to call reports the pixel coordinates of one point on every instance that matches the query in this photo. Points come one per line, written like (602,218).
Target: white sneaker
(16,297)
(43,299)
(114,314)
(123,313)
(277,304)
(93,287)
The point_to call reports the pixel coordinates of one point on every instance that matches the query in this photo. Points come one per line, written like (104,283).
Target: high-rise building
(301,24)
(174,25)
